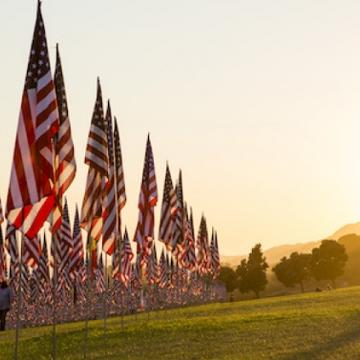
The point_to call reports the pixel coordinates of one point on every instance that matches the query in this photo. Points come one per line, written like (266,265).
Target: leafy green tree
(293,270)
(252,272)
(229,278)
(328,261)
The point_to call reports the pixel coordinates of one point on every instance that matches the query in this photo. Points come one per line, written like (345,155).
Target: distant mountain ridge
(274,254)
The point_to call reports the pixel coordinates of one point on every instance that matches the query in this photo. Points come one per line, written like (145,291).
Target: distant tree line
(326,262)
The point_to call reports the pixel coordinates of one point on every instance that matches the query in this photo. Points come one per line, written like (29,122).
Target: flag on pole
(64,162)
(203,247)
(119,175)
(31,194)
(109,218)
(77,254)
(168,211)
(178,240)
(144,233)
(126,256)
(96,158)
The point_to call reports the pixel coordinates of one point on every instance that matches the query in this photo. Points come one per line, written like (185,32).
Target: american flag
(168,211)
(163,271)
(65,246)
(25,285)
(203,248)
(126,257)
(77,254)
(31,190)
(96,158)
(99,276)
(144,233)
(178,240)
(14,253)
(215,257)
(152,269)
(32,252)
(44,274)
(191,251)
(119,175)
(187,258)
(65,165)
(109,218)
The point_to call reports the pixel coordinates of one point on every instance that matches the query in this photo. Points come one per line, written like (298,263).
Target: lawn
(311,326)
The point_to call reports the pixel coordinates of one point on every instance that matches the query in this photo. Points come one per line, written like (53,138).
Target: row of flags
(43,169)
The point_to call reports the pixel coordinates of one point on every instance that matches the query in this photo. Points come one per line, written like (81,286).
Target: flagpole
(19,296)
(105,303)
(87,298)
(55,280)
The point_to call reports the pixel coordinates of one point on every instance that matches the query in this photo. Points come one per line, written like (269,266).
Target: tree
(252,272)
(293,270)
(228,277)
(328,261)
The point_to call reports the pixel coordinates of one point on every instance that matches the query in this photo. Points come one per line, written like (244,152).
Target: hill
(274,254)
(308,326)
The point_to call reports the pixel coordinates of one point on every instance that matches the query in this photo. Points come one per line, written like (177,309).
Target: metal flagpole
(87,280)
(55,280)
(19,295)
(105,303)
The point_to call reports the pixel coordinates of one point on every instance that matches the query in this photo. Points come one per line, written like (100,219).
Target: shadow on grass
(328,348)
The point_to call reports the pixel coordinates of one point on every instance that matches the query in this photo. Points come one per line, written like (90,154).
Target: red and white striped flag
(64,162)
(126,256)
(168,211)
(163,271)
(202,245)
(119,175)
(178,239)
(77,254)
(109,218)
(32,251)
(215,257)
(144,234)
(96,157)
(31,195)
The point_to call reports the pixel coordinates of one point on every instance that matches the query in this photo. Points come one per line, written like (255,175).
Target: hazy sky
(257,101)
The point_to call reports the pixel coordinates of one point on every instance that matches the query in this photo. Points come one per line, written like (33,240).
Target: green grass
(311,326)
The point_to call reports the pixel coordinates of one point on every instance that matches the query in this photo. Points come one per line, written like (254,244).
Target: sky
(257,102)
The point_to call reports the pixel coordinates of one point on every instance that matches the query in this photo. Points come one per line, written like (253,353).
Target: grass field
(311,326)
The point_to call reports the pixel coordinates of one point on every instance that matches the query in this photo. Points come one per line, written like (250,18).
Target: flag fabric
(187,257)
(96,158)
(168,211)
(64,162)
(191,238)
(14,253)
(144,233)
(109,218)
(178,240)
(31,190)
(203,247)
(44,274)
(215,256)
(77,254)
(119,175)
(126,257)
(163,271)
(32,252)
(65,247)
